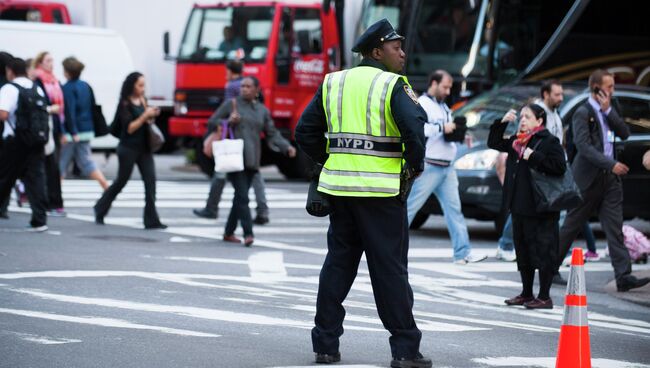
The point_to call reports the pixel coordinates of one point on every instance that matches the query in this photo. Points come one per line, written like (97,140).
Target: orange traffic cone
(573,348)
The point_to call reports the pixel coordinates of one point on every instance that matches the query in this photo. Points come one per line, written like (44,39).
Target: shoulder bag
(228,152)
(99,122)
(554,193)
(155,137)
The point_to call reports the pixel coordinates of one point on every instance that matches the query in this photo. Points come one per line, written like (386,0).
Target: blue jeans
(505,241)
(442,182)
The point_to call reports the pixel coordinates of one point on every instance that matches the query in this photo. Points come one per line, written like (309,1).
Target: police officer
(375,131)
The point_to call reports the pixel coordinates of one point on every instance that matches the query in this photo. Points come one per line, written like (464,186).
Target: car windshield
(212,36)
(484,109)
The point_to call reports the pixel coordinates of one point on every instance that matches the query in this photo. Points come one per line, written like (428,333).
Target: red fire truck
(34,11)
(288,45)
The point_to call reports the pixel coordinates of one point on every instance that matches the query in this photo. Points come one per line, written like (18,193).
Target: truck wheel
(419,220)
(299,167)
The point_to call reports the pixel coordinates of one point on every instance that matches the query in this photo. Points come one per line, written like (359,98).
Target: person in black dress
(536,234)
(133,115)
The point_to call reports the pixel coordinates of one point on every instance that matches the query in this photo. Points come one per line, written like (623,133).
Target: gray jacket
(255,119)
(588,139)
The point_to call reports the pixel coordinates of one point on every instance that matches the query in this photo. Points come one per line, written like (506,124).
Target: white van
(103,52)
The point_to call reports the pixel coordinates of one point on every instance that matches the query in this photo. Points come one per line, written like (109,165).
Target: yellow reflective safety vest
(364,144)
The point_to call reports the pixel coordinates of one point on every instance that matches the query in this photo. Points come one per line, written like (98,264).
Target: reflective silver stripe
(361,174)
(328,113)
(357,189)
(575,316)
(339,107)
(369,104)
(366,152)
(366,137)
(576,284)
(382,107)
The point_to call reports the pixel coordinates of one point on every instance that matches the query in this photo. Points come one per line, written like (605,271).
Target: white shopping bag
(228,155)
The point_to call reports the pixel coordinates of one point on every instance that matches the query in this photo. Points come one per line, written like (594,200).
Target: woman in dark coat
(536,234)
(132,117)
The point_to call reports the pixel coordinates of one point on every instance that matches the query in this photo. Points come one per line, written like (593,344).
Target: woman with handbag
(535,233)
(78,129)
(247,118)
(133,118)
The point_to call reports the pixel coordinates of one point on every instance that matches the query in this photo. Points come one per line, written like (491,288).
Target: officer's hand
(510,116)
(291,152)
(620,169)
(63,139)
(75,138)
(449,127)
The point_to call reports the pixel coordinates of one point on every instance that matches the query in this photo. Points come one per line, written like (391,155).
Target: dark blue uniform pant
(19,161)
(378,227)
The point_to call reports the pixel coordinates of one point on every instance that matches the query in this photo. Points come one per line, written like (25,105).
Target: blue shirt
(608,147)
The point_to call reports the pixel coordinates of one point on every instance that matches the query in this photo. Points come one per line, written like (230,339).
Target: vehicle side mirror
(166,45)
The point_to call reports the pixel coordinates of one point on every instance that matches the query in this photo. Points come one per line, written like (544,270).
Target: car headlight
(479,160)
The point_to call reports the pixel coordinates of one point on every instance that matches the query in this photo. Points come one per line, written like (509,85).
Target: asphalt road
(84,295)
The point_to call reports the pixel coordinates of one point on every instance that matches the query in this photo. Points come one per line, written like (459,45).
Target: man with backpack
(24,109)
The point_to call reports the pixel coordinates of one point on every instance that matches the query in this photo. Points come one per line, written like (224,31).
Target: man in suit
(598,175)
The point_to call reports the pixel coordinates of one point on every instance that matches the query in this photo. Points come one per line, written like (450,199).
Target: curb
(639,296)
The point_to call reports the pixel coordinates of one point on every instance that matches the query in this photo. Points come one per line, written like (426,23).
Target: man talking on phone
(598,175)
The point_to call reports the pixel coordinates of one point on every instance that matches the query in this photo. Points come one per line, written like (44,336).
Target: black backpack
(32,118)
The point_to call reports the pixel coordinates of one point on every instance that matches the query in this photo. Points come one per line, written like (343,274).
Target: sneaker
(248,241)
(471,258)
(506,255)
(57,212)
(592,256)
(37,229)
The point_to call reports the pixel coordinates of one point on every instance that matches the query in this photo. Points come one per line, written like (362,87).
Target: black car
(479,187)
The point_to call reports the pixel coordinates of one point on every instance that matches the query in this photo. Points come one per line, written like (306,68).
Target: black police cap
(378,33)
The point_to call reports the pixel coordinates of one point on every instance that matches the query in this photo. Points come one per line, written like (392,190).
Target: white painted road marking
(550,362)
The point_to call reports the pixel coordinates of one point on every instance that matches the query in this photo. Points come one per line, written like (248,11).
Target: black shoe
(418,362)
(203,212)
(156,226)
(261,219)
(328,358)
(4,215)
(631,282)
(558,280)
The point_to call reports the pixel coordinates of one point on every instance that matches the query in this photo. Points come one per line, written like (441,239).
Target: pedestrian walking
(24,109)
(535,233)
(132,116)
(365,126)
(43,65)
(78,129)
(439,176)
(598,175)
(5,57)
(211,210)
(248,121)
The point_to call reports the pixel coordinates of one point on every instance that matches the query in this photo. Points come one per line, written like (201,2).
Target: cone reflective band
(573,348)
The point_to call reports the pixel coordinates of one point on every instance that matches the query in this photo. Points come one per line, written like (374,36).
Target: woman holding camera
(133,117)
(536,234)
